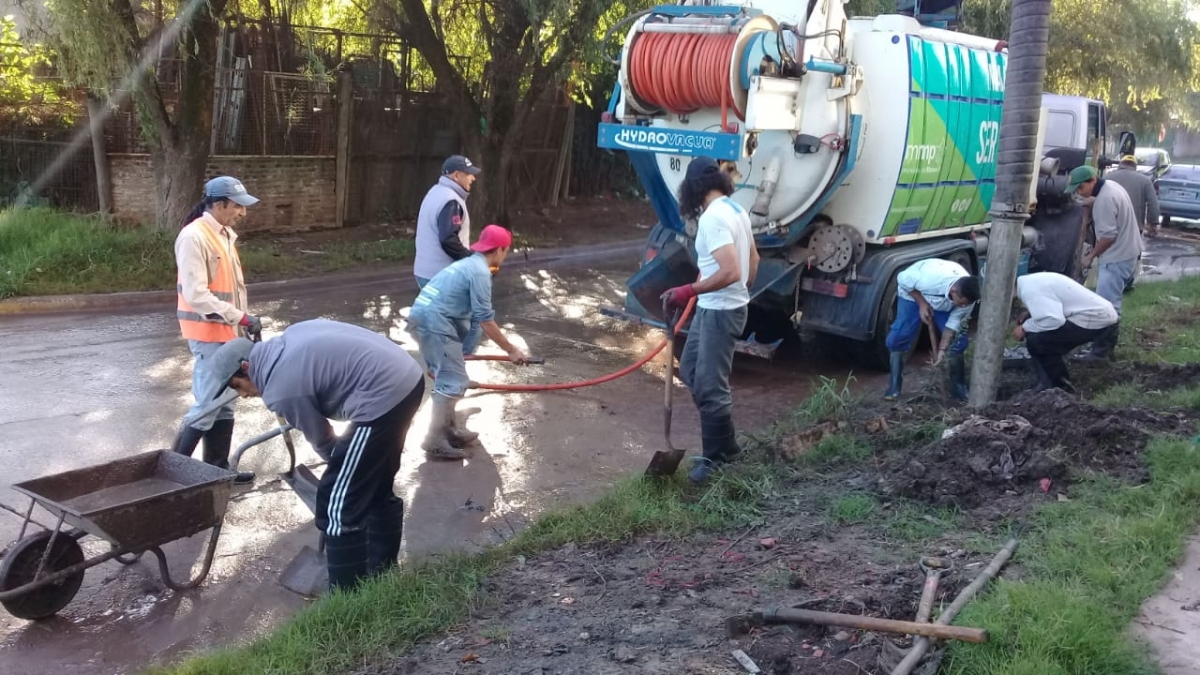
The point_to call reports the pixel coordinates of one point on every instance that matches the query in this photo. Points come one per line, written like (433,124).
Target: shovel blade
(306,574)
(665,463)
(304,483)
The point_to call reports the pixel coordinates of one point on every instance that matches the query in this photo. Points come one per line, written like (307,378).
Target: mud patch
(1145,377)
(661,607)
(1030,446)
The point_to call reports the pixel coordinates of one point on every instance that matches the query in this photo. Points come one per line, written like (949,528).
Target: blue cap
(230,188)
(701,166)
(459,163)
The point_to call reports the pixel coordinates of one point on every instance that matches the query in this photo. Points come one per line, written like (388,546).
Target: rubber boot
(346,560)
(457,435)
(217,442)
(186,440)
(897,380)
(1043,378)
(437,442)
(1104,346)
(956,374)
(716,434)
(385,530)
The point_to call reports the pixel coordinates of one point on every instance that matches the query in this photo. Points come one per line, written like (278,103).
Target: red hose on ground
(687,312)
(683,73)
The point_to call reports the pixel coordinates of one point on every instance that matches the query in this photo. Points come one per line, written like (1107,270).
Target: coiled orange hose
(683,73)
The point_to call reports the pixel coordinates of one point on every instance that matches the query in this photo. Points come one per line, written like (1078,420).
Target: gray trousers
(707,358)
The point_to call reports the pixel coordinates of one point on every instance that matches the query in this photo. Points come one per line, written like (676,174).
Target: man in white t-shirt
(728,261)
(1060,315)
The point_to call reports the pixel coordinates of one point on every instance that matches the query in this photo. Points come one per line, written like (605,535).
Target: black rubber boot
(346,560)
(385,530)
(897,381)
(186,440)
(217,442)
(956,374)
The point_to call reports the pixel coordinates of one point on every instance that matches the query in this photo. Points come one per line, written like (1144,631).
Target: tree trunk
(1014,173)
(179,147)
(178,182)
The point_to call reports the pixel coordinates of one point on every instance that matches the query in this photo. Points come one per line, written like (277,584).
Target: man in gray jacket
(1141,194)
(321,370)
(1118,246)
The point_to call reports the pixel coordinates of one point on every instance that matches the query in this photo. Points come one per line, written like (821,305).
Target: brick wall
(297,193)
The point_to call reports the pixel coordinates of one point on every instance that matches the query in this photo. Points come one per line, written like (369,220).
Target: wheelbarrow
(136,504)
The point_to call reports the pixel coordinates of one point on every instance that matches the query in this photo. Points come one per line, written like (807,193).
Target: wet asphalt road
(90,388)
(86,389)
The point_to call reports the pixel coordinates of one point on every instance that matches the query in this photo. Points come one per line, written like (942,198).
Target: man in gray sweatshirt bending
(1118,246)
(321,370)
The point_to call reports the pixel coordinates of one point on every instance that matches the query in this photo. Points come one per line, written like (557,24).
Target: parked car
(1152,162)
(1179,193)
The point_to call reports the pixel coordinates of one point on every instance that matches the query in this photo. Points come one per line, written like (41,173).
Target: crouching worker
(320,370)
(452,306)
(1060,315)
(938,292)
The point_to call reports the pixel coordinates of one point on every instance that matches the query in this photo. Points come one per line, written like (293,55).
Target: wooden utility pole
(1015,170)
(345,122)
(96,115)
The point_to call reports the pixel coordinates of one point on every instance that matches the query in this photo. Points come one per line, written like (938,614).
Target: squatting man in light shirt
(1060,315)
(933,292)
(728,261)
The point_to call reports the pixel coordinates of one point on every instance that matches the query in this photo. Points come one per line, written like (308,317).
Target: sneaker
(445,454)
(244,478)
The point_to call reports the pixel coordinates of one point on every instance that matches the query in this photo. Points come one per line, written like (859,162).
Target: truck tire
(874,353)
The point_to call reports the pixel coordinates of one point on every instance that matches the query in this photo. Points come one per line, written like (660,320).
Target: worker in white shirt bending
(1060,315)
(933,292)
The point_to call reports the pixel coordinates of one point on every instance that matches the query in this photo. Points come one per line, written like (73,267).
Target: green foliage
(25,98)
(1138,57)
(852,508)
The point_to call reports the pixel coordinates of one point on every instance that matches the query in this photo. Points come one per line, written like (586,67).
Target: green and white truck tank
(858,146)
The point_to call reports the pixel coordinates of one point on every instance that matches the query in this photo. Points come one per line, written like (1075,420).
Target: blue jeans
(444,357)
(907,327)
(1113,278)
(202,382)
(707,358)
(473,337)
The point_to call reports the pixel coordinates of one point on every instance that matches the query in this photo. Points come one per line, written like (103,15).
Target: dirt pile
(1017,446)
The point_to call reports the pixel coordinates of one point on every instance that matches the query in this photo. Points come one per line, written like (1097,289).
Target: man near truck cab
(211,307)
(728,261)
(1060,315)
(1140,189)
(933,292)
(1118,246)
(321,370)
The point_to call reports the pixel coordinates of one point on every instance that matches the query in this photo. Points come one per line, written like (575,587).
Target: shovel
(306,574)
(665,463)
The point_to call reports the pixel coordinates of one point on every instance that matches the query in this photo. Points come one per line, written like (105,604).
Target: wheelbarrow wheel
(20,564)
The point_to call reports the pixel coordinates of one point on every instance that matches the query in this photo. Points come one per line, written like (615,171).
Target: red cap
(492,237)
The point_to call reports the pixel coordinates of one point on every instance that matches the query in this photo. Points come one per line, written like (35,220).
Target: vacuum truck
(857,145)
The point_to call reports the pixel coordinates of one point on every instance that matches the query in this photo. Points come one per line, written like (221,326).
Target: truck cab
(1074,122)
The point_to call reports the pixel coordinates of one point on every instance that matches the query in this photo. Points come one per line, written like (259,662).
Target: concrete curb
(273,290)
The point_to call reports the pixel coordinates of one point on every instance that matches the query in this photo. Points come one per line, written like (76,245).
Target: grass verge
(48,252)
(1091,563)
(345,631)
(1166,314)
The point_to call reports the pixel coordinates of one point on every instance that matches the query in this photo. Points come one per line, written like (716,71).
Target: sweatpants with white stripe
(357,506)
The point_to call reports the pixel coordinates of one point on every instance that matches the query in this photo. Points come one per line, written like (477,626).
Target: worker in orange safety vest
(212,308)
